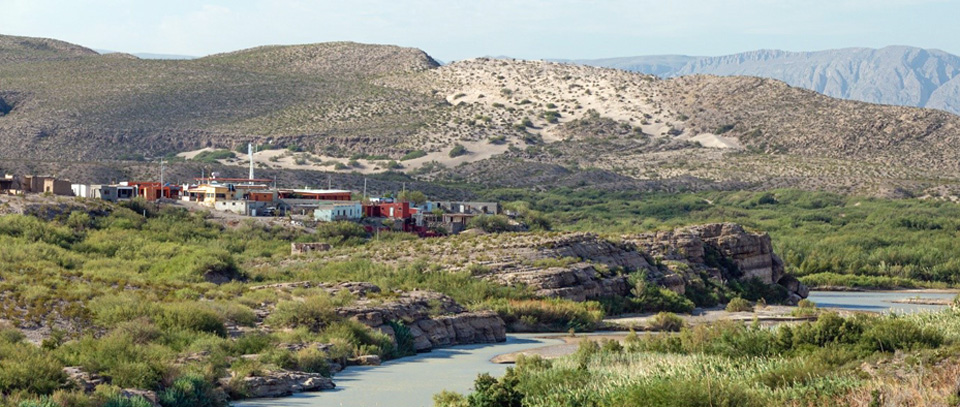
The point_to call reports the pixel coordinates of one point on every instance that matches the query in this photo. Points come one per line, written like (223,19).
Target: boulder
(83,381)
(280,383)
(147,395)
(365,360)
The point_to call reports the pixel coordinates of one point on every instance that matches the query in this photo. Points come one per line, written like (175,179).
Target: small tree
(458,150)
(414,197)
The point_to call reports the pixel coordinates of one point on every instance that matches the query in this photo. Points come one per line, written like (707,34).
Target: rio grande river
(412,381)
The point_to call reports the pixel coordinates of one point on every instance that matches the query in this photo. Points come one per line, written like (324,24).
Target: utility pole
(161,177)
(328,182)
(364,188)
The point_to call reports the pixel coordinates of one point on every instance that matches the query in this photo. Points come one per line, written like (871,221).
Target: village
(409,212)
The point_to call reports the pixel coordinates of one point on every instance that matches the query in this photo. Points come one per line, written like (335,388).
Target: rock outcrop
(718,245)
(83,380)
(577,282)
(584,266)
(433,319)
(278,383)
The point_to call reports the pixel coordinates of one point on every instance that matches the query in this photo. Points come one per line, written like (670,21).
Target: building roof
(250,180)
(318,191)
(329,204)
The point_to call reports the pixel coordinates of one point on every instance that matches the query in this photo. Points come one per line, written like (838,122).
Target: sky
(457,29)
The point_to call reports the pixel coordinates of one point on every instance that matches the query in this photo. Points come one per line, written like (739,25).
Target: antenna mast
(250,153)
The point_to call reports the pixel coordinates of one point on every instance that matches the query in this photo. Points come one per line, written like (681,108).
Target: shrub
(739,305)
(891,334)
(648,297)
(312,360)
(314,313)
(341,232)
(413,155)
(458,150)
(490,223)
(191,391)
(214,156)
(552,314)
(405,345)
(666,321)
(450,399)
(191,316)
(24,367)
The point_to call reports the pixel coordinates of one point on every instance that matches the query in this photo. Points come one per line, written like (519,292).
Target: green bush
(739,305)
(892,334)
(24,367)
(648,297)
(192,391)
(313,313)
(341,232)
(312,360)
(553,314)
(191,316)
(214,156)
(404,338)
(413,155)
(490,223)
(458,150)
(666,321)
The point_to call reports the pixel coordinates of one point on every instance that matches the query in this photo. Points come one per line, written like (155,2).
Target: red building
(318,194)
(394,210)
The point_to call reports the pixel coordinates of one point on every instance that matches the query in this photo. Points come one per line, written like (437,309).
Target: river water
(412,381)
(877,301)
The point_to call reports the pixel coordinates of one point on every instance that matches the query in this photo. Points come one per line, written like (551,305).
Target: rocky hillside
(14,50)
(585,266)
(349,107)
(896,75)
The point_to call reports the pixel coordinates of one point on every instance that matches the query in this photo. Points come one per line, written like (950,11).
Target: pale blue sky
(454,29)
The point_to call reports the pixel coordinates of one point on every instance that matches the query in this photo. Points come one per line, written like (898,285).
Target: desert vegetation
(813,363)
(827,239)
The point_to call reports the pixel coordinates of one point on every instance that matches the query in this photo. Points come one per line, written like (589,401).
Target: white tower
(250,153)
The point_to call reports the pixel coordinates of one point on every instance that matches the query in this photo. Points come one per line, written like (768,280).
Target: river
(878,301)
(412,381)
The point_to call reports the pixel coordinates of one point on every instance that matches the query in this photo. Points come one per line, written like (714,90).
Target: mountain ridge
(349,107)
(897,75)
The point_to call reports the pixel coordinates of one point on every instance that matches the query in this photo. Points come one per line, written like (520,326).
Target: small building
(84,190)
(210,194)
(10,185)
(316,194)
(32,184)
(456,222)
(153,191)
(330,211)
(114,193)
(478,208)
(241,207)
(261,196)
(394,210)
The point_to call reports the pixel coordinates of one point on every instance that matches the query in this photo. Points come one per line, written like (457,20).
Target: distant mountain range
(895,75)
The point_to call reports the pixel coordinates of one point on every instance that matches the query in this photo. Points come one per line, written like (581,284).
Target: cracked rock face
(280,383)
(434,320)
(722,251)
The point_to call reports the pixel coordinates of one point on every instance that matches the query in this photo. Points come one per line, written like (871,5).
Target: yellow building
(210,194)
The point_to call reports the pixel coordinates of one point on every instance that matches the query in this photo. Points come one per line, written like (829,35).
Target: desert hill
(351,107)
